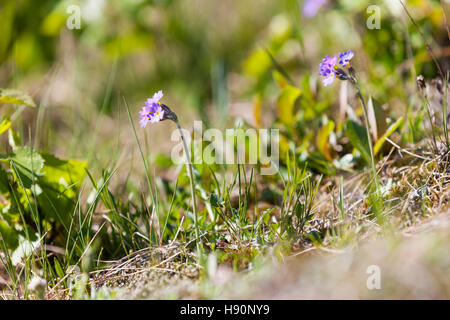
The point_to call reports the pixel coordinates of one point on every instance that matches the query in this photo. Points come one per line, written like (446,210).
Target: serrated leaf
(389,131)
(358,137)
(286,102)
(15,96)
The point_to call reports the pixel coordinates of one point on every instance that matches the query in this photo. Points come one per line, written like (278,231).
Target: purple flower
(345,57)
(311,7)
(152,111)
(327,70)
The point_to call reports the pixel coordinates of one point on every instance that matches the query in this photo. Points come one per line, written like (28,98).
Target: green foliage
(358,137)
(41,192)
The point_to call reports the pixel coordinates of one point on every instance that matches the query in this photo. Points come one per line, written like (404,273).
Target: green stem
(369,140)
(377,202)
(191,178)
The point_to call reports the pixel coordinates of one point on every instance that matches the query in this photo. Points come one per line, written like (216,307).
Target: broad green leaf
(16,97)
(26,165)
(322,139)
(4,125)
(358,137)
(59,183)
(286,102)
(389,131)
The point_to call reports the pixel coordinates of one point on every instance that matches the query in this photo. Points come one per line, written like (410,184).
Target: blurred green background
(209,58)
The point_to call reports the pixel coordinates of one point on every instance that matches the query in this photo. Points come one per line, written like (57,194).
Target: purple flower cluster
(152,111)
(329,67)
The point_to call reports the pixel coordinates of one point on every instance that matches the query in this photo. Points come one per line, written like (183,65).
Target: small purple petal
(157,96)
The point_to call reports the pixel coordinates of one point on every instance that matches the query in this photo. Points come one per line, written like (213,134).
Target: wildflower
(330,68)
(327,70)
(155,111)
(152,111)
(311,7)
(345,57)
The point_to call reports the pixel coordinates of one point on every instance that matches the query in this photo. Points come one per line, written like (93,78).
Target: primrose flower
(345,57)
(153,110)
(330,68)
(327,70)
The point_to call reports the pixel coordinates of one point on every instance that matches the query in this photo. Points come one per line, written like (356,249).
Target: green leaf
(4,184)
(389,131)
(358,137)
(286,102)
(60,183)
(318,162)
(9,235)
(216,201)
(16,97)
(26,164)
(4,125)
(58,269)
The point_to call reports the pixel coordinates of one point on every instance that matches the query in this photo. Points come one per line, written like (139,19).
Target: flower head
(330,68)
(153,110)
(345,57)
(327,70)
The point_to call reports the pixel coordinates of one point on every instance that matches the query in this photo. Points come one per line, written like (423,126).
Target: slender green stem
(191,178)
(377,202)
(369,140)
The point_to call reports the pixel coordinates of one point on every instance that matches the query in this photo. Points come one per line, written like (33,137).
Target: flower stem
(191,178)
(377,205)
(366,122)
